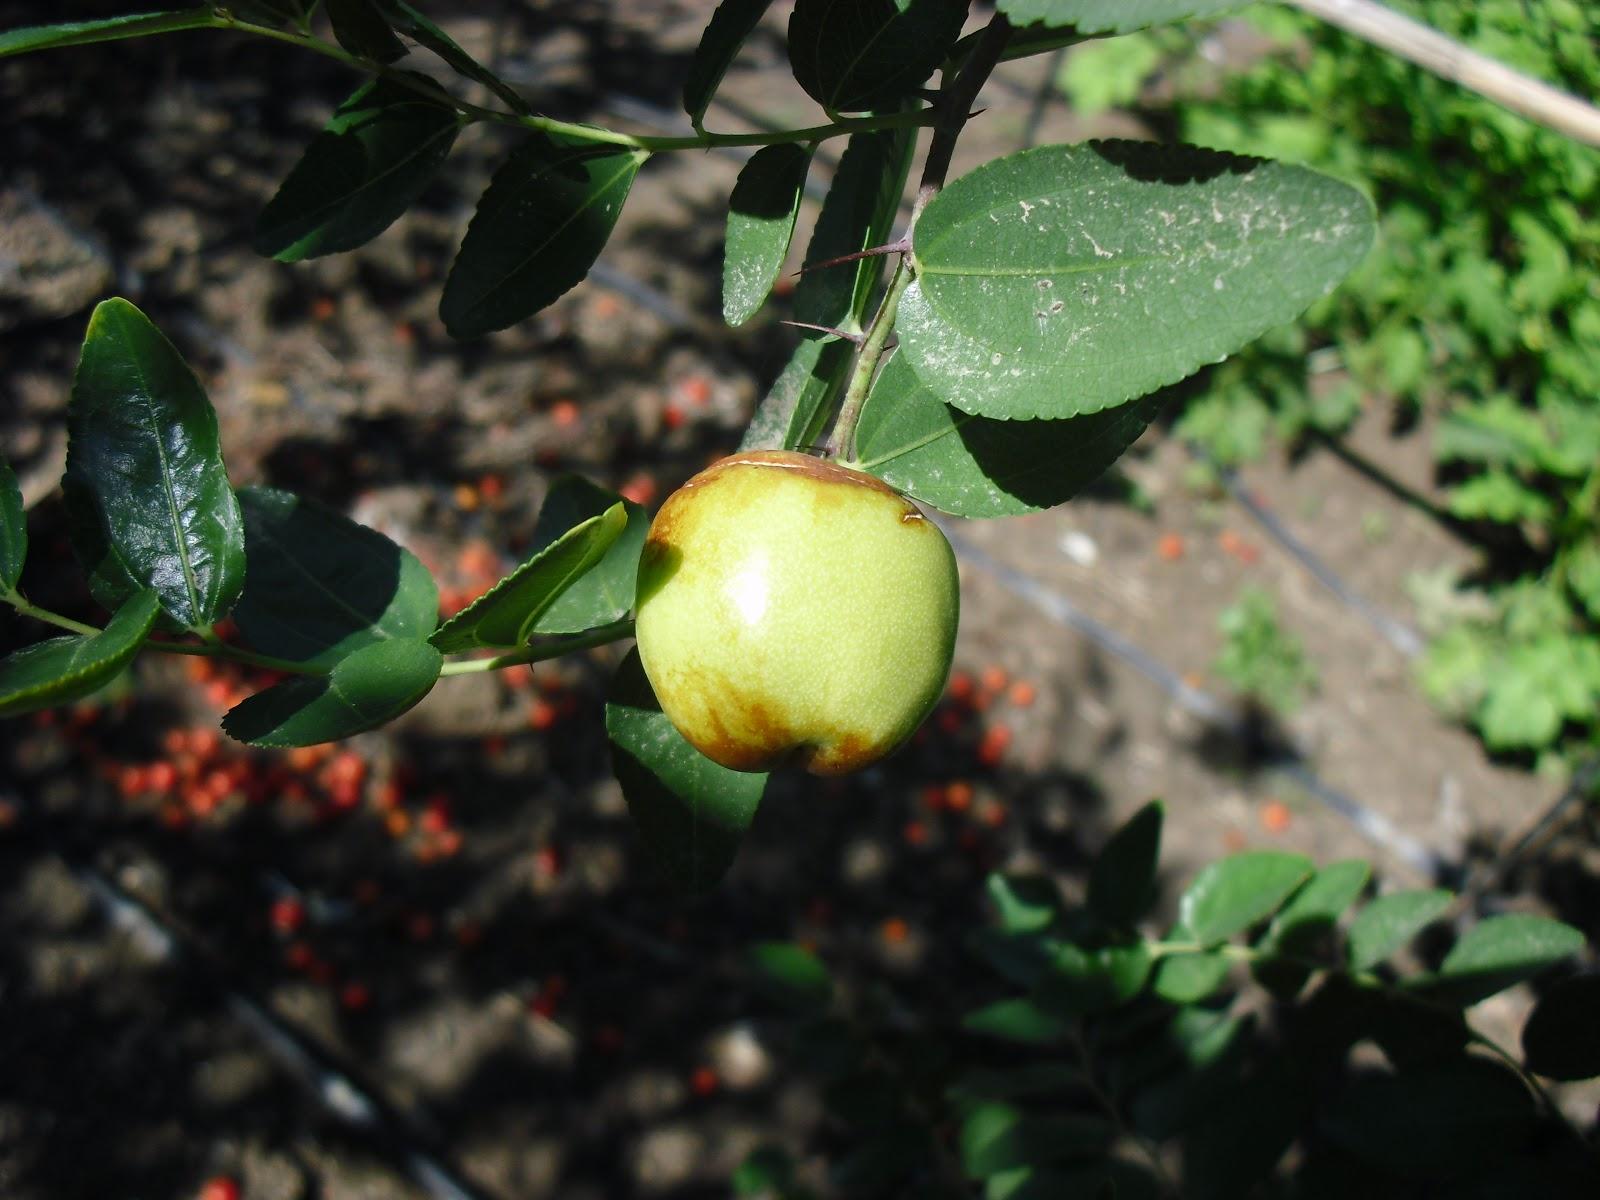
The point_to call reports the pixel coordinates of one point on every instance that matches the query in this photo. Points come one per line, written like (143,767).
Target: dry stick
(1449,59)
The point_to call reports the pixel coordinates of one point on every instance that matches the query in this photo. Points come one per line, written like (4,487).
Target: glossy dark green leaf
(605,591)
(63,669)
(320,586)
(1024,903)
(857,213)
(1070,279)
(1234,893)
(978,467)
(1189,977)
(1122,879)
(795,410)
(1499,952)
(13,529)
(761,216)
(691,813)
(414,25)
(1391,921)
(730,25)
(852,55)
(366,689)
(1562,1037)
(1449,1118)
(149,495)
(1110,16)
(1021,1019)
(507,614)
(107,29)
(371,161)
(792,975)
(543,221)
(360,28)
(996,1137)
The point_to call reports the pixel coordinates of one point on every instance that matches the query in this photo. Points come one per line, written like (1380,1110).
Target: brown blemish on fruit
(803,464)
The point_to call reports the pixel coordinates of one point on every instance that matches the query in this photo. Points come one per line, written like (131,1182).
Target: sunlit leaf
(605,591)
(1391,921)
(1230,895)
(1111,16)
(107,29)
(793,414)
(761,216)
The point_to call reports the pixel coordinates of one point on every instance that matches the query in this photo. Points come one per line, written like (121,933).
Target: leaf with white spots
(1070,279)
(761,216)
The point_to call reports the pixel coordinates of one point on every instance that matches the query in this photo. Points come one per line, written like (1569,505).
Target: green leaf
(414,25)
(1016,1083)
(13,529)
(761,216)
(1445,1118)
(381,148)
(507,615)
(1499,952)
(145,483)
(321,586)
(1016,1020)
(62,669)
(857,214)
(1026,903)
(366,689)
(852,55)
(793,976)
(1189,977)
(1107,1179)
(1241,1137)
(977,467)
(794,411)
(766,1172)
(1110,16)
(1234,893)
(1304,926)
(691,813)
(1562,1037)
(1077,981)
(605,591)
(360,28)
(1391,921)
(997,1137)
(1122,879)
(543,221)
(108,29)
(1070,279)
(730,25)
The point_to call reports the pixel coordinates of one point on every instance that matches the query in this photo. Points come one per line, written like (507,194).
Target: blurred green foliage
(1260,659)
(1478,313)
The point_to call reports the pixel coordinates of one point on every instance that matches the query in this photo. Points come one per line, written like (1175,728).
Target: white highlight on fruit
(748,590)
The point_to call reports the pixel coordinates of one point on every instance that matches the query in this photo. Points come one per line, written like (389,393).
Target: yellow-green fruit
(795,613)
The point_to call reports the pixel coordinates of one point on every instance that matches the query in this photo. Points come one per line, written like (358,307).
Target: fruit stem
(555,648)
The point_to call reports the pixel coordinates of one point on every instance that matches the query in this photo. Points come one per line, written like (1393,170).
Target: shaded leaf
(63,669)
(857,214)
(360,28)
(145,483)
(13,529)
(1446,1118)
(1025,903)
(1304,927)
(1070,279)
(882,1161)
(761,216)
(1562,1037)
(792,975)
(373,158)
(1108,1179)
(1015,1020)
(1391,921)
(543,221)
(107,29)
(852,55)
(365,689)
(730,25)
(320,586)
(1234,893)
(1499,952)
(1077,981)
(507,614)
(1189,977)
(1122,879)
(1243,1134)
(977,467)
(997,1137)
(793,414)
(1111,16)
(1016,1083)
(605,591)
(691,813)
(413,24)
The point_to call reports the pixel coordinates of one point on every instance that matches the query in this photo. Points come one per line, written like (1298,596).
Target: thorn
(857,338)
(899,246)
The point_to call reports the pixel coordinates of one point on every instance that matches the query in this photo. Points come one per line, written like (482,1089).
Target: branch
(1449,59)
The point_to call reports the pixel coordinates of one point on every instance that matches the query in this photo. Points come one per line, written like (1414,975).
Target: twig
(1449,59)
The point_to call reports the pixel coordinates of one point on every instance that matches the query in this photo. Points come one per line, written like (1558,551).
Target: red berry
(703,1082)
(354,997)
(220,1187)
(287,915)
